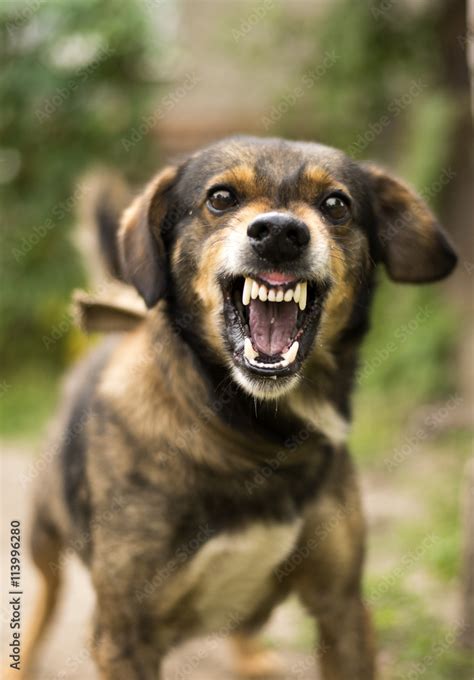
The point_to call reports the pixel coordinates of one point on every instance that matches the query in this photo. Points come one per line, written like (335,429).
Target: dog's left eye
(336,208)
(221,199)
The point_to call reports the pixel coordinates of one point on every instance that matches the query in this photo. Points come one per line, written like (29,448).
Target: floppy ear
(141,246)
(410,242)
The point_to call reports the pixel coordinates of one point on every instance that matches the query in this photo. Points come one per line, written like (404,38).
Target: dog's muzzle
(278,238)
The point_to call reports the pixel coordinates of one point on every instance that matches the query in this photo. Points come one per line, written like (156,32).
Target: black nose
(278,237)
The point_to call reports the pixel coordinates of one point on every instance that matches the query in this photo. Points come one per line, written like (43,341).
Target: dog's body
(203,473)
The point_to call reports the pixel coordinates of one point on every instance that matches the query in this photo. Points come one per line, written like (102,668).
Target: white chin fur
(264,388)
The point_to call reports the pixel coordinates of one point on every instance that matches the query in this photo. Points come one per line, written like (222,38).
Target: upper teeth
(253,290)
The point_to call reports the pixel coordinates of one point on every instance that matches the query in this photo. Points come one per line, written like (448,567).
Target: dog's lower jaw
(265,388)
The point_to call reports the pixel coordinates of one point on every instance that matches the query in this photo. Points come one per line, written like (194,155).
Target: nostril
(298,234)
(292,235)
(258,230)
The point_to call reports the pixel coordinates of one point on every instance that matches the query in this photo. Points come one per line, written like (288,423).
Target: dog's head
(264,249)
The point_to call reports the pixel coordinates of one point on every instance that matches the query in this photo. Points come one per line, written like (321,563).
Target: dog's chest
(227,579)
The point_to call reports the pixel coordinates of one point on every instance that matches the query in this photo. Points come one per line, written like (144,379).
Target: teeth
(253,290)
(287,358)
(303,295)
(290,356)
(249,351)
(247,290)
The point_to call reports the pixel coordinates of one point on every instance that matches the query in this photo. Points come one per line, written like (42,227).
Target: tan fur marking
(231,573)
(323,179)
(240,176)
(321,415)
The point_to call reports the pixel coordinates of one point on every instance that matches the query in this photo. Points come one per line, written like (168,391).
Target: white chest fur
(231,574)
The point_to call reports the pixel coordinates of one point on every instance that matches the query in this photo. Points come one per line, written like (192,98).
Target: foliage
(370,67)
(76,78)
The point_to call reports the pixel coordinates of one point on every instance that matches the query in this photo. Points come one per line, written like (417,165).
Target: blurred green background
(127,85)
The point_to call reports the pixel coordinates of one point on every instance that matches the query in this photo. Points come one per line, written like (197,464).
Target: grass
(26,402)
(416,601)
(416,644)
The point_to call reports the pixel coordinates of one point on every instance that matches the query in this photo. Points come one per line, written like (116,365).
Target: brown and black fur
(165,452)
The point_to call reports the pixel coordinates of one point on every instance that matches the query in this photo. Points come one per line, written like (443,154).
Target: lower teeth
(287,357)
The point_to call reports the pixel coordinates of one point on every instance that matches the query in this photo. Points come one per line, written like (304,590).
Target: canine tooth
(246,291)
(290,356)
(249,351)
(271,295)
(279,296)
(254,291)
(297,293)
(263,293)
(288,297)
(303,296)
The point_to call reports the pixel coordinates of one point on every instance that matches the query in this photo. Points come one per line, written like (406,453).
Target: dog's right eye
(220,200)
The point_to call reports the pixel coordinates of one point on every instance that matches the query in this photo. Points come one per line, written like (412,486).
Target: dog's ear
(142,251)
(410,242)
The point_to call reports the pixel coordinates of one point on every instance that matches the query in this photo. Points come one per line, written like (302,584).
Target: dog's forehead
(271,160)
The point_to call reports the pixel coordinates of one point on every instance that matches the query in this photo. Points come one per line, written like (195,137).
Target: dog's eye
(221,199)
(336,208)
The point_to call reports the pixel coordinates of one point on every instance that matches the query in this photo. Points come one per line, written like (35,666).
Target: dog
(202,472)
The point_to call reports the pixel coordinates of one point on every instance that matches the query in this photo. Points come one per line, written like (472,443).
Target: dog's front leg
(327,575)
(345,642)
(121,653)
(345,649)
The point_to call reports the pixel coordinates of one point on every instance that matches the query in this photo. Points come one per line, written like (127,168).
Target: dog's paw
(255,661)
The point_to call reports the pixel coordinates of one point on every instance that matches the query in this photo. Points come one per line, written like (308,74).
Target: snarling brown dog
(202,473)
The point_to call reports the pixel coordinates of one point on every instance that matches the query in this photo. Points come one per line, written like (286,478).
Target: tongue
(272,325)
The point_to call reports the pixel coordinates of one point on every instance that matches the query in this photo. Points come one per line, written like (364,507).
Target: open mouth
(271,321)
